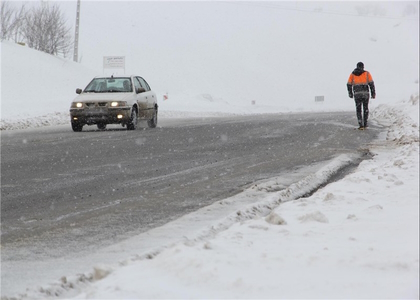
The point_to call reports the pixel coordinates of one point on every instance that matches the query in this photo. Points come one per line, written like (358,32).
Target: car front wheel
(101,126)
(132,124)
(76,126)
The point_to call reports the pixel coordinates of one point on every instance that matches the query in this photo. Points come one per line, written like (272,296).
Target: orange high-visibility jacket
(359,83)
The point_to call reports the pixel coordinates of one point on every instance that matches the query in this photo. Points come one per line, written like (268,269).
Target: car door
(150,98)
(141,99)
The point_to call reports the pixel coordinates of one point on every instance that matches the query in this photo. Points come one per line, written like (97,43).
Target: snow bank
(403,120)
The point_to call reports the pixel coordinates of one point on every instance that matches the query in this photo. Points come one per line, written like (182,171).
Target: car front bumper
(103,115)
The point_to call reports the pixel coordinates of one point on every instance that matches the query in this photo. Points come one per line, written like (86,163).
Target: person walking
(358,85)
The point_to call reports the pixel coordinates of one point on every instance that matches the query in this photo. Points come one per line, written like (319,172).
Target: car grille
(93,104)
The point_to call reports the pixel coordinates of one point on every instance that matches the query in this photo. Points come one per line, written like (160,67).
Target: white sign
(319,98)
(114,62)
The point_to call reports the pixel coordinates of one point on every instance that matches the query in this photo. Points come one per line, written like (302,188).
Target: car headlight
(118,103)
(77,105)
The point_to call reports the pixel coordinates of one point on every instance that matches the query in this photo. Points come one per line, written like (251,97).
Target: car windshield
(109,85)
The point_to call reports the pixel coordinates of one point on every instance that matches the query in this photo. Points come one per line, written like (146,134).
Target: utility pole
(76,34)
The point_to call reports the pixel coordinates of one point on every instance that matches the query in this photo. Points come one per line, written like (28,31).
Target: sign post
(76,34)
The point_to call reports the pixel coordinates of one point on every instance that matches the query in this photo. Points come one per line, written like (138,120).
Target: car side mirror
(78,91)
(140,90)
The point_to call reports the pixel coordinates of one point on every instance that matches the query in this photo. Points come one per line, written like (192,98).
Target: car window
(136,83)
(96,85)
(110,85)
(144,84)
(140,83)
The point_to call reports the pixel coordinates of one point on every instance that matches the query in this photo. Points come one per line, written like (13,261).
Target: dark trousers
(362,101)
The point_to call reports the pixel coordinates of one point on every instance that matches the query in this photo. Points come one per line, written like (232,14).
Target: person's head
(126,85)
(360,65)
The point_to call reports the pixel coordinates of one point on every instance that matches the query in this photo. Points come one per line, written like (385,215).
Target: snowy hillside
(37,88)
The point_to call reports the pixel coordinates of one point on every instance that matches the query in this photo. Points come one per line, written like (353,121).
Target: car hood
(86,97)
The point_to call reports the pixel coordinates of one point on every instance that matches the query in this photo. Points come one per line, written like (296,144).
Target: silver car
(114,100)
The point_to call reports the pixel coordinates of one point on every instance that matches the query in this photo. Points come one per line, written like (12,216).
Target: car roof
(115,76)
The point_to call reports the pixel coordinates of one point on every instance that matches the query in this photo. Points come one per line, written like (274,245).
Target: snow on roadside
(51,119)
(402,118)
